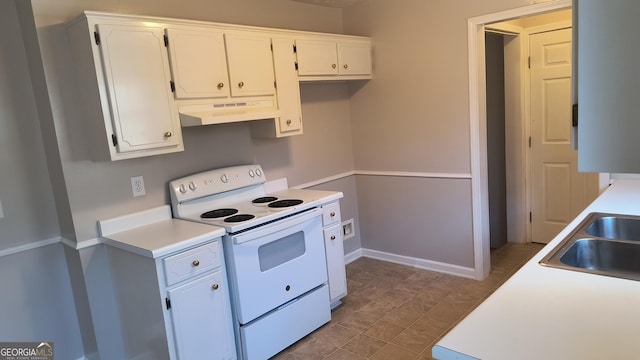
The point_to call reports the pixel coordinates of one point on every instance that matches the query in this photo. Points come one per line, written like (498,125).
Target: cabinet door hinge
(172,84)
(530,217)
(295,49)
(574,115)
(271,45)
(114,139)
(296,65)
(96,37)
(167,302)
(166,41)
(275,85)
(529,62)
(529,141)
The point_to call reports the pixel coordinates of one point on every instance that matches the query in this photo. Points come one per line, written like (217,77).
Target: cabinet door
(354,58)
(317,57)
(288,88)
(201,318)
(137,75)
(336,272)
(608,87)
(250,64)
(198,63)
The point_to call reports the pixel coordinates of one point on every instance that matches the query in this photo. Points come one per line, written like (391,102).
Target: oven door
(276,263)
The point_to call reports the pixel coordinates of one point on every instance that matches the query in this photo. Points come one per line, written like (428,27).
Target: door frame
(478,124)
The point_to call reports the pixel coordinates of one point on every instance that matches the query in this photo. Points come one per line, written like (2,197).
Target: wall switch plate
(137,186)
(348,229)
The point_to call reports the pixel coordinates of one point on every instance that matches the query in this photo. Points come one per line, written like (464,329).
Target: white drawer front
(331,214)
(192,262)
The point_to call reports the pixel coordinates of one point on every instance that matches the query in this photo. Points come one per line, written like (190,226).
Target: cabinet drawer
(331,214)
(192,262)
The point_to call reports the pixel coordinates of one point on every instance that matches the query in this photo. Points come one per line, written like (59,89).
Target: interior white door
(558,191)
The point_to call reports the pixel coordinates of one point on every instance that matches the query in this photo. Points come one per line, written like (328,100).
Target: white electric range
(274,251)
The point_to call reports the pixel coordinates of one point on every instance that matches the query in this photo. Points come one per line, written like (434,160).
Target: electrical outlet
(348,229)
(137,186)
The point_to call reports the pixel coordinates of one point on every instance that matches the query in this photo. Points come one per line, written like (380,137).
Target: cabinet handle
(333,66)
(195,263)
(346,66)
(333,237)
(220,85)
(332,214)
(289,122)
(241,84)
(215,286)
(168,134)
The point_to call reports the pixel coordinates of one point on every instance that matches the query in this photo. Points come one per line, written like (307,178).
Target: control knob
(252,173)
(182,189)
(192,186)
(258,172)
(224,178)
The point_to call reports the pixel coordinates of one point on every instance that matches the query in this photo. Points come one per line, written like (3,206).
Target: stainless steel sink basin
(615,227)
(603,244)
(603,256)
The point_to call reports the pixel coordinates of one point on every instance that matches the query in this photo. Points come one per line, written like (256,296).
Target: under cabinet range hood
(230,110)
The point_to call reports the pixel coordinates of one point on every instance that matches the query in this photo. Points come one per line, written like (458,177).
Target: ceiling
(331,3)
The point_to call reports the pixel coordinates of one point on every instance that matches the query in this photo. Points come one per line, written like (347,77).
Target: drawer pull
(333,66)
(346,66)
(332,214)
(195,263)
(333,237)
(241,84)
(289,121)
(215,286)
(168,134)
(220,85)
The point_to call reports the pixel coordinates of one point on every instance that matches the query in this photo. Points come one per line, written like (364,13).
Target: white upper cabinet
(317,57)
(141,79)
(250,64)
(288,89)
(608,87)
(124,81)
(198,63)
(354,58)
(208,63)
(333,58)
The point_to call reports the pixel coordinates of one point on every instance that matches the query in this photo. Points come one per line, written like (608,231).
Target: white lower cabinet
(334,249)
(201,322)
(175,306)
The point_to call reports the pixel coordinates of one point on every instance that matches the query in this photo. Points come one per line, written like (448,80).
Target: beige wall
(414,117)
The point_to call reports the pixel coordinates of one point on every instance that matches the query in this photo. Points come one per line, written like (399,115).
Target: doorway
(544,190)
(478,124)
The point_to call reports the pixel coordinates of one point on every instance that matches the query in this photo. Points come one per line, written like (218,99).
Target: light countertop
(153,233)
(549,313)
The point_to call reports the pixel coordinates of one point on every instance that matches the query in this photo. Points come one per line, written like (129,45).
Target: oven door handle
(284,226)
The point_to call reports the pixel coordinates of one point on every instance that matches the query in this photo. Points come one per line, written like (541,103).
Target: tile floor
(397,312)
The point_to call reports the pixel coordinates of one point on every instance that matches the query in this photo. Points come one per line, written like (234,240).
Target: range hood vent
(228,111)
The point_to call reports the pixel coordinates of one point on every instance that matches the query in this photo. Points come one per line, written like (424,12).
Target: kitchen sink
(603,244)
(615,227)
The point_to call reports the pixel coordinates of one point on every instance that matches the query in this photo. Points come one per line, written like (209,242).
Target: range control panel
(215,182)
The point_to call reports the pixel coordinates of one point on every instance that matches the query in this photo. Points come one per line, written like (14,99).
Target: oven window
(281,251)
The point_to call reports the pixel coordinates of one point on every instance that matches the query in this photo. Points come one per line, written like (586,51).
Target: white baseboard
(457,270)
(352,256)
